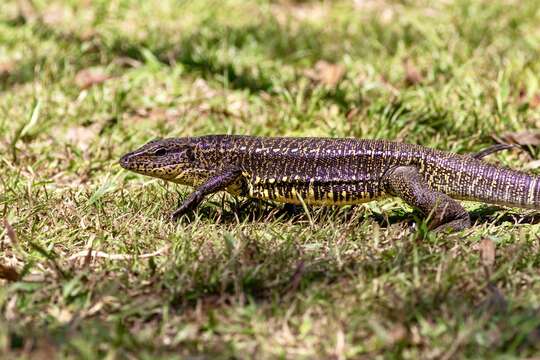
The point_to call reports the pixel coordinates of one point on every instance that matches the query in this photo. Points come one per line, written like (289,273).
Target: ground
(83,82)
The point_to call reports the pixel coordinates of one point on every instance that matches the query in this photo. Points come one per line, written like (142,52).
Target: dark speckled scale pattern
(328,171)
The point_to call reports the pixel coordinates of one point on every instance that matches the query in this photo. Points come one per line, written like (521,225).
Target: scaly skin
(322,171)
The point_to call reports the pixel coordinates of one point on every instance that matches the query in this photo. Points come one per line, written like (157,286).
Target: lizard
(335,171)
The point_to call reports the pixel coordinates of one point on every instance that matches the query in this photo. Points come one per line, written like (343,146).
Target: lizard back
(317,171)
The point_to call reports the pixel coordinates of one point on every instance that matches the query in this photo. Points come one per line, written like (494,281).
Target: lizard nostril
(124,161)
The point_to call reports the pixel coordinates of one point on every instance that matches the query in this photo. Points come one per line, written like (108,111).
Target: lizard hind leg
(492,149)
(444,212)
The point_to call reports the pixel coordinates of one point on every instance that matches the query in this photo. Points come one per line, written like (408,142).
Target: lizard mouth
(127,163)
(132,162)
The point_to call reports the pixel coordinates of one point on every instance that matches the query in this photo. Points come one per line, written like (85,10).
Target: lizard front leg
(443,211)
(212,185)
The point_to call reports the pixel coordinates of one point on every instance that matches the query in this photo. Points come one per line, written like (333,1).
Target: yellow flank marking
(530,195)
(292,193)
(181,175)
(284,179)
(293,197)
(493,188)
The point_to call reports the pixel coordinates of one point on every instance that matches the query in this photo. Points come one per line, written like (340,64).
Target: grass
(82,82)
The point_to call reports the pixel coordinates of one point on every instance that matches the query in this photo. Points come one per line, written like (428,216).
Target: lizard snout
(125,163)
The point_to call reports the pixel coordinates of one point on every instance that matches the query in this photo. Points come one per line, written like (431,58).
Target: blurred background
(84,81)
(447,73)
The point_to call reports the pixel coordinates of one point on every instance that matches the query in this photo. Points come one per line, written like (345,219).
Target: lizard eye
(160,152)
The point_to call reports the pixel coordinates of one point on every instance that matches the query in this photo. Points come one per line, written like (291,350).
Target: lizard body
(325,171)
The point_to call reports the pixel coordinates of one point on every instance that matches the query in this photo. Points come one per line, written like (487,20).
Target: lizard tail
(467,178)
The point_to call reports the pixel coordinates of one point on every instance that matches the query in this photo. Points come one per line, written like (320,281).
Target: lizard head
(168,159)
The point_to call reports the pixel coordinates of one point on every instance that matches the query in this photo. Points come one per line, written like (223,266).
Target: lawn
(84,81)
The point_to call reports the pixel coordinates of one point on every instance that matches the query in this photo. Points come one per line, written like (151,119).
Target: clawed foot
(188,205)
(452,226)
(178,213)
